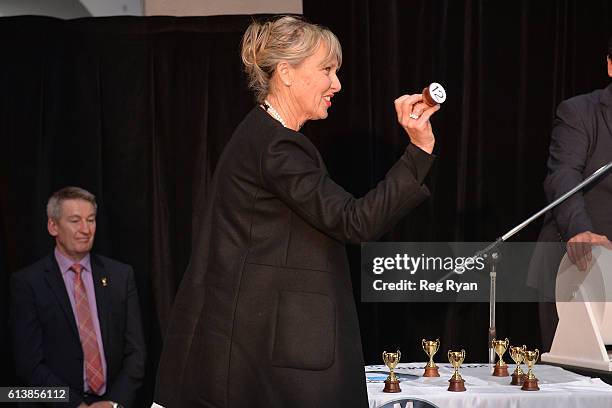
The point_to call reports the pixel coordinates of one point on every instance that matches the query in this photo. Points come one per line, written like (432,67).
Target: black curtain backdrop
(506,66)
(137,110)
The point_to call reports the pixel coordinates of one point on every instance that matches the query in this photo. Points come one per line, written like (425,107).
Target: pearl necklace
(268,108)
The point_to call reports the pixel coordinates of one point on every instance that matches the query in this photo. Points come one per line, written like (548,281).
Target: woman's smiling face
(314,82)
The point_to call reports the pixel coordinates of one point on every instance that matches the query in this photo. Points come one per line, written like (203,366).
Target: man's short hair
(54,205)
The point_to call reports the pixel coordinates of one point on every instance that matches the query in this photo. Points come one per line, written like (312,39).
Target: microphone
(483,253)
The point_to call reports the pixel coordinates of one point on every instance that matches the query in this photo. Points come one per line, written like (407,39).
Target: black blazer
(581,142)
(46,342)
(265,315)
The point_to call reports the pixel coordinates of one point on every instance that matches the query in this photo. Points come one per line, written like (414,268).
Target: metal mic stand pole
(492,329)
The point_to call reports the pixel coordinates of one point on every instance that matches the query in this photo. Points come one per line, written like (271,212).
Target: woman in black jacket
(265,315)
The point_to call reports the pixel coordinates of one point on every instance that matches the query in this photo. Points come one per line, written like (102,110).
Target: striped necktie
(89,342)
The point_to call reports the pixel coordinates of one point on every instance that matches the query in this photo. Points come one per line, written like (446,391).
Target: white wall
(217,7)
(100,8)
(52,8)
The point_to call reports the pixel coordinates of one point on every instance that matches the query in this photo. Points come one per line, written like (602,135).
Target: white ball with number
(437,92)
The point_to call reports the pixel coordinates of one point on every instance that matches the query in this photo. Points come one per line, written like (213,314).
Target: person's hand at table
(579,248)
(413,115)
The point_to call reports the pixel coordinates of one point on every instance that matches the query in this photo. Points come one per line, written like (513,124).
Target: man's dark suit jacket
(265,315)
(581,143)
(46,341)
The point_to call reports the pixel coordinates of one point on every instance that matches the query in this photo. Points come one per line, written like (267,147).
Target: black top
(265,316)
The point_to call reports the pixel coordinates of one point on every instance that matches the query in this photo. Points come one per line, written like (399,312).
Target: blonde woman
(265,316)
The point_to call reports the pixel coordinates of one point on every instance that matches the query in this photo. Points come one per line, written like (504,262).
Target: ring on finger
(413,116)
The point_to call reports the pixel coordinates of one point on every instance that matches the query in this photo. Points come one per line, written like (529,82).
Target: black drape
(505,65)
(137,110)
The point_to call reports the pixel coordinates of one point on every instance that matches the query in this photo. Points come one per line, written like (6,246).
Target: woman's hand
(413,115)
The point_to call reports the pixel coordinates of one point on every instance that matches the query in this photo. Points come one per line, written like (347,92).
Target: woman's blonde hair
(285,38)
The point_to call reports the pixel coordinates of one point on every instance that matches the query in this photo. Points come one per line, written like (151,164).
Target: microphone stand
(491,251)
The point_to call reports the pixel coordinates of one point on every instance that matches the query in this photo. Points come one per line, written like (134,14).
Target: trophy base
(392,386)
(431,372)
(517,379)
(530,384)
(456,385)
(500,371)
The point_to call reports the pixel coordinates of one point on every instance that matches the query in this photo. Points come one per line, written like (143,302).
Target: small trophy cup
(456,359)
(518,355)
(530,382)
(430,348)
(501,368)
(391,360)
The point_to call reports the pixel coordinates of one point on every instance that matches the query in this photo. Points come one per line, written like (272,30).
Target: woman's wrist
(425,146)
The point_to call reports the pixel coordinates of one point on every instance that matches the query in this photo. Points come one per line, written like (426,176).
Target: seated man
(75,316)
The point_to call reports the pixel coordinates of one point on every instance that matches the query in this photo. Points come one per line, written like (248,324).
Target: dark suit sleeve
(129,379)
(293,170)
(569,147)
(27,332)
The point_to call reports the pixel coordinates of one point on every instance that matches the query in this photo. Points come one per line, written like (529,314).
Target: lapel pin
(104,281)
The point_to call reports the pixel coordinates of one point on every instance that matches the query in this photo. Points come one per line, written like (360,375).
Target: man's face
(609,67)
(74,231)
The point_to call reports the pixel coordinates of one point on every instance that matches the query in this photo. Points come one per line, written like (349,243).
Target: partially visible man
(75,316)
(581,142)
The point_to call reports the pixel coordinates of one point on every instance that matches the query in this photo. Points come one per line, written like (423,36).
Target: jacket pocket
(305,334)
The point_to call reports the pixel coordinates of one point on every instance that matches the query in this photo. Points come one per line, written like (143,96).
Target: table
(606,376)
(558,388)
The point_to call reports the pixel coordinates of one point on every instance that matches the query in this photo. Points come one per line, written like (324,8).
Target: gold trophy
(430,348)
(518,355)
(500,347)
(456,359)
(391,360)
(530,382)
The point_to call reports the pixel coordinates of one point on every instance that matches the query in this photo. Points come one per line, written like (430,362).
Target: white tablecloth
(558,388)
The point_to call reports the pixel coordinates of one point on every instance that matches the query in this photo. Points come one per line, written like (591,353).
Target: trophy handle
(423,345)
(537,355)
(437,345)
(399,356)
(462,356)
